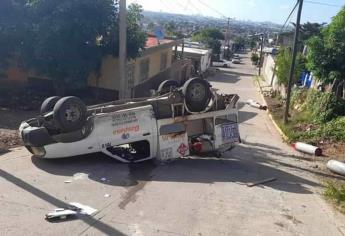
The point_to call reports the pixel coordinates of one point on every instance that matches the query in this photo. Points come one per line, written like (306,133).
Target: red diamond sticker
(182,149)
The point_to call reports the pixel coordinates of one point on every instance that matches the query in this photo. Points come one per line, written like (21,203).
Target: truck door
(226,131)
(129,135)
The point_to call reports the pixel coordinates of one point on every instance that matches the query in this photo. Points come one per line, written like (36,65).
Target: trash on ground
(67,181)
(307,148)
(107,195)
(60,214)
(336,167)
(103,179)
(255,104)
(261,182)
(82,209)
(79,176)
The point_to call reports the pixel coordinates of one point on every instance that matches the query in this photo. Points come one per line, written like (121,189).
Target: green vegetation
(283,63)
(336,193)
(67,39)
(316,116)
(326,55)
(210,37)
(254,58)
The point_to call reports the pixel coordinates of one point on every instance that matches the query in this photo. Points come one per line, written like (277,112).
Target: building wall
(268,68)
(109,76)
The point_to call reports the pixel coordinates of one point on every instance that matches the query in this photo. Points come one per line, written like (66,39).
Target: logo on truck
(182,149)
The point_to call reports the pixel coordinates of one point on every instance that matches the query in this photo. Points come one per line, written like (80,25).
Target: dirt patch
(331,150)
(9,124)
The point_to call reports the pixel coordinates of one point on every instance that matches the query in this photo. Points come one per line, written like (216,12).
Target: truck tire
(197,94)
(48,104)
(166,86)
(70,114)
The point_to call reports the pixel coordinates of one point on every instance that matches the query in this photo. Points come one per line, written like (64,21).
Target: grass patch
(312,119)
(335,192)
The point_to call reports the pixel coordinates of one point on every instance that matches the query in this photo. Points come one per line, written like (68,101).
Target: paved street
(195,196)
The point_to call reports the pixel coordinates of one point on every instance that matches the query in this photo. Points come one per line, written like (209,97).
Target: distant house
(285,39)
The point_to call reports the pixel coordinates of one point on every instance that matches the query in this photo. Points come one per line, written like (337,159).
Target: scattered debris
(78,176)
(67,181)
(261,182)
(103,179)
(107,195)
(82,209)
(307,148)
(255,104)
(73,209)
(60,213)
(336,167)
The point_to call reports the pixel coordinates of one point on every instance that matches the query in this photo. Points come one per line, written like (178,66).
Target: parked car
(236,61)
(222,63)
(236,56)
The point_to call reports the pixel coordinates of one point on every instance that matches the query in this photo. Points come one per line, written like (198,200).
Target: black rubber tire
(225,66)
(48,104)
(166,86)
(61,113)
(197,94)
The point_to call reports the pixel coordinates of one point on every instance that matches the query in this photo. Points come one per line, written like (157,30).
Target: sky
(256,10)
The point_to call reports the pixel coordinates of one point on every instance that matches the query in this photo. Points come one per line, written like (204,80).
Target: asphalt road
(195,196)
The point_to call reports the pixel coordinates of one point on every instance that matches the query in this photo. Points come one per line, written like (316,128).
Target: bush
(335,193)
(322,106)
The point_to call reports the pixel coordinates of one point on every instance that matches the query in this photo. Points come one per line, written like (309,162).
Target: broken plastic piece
(261,182)
(255,104)
(60,213)
(82,209)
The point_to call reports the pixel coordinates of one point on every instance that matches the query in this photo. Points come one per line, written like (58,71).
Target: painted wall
(109,76)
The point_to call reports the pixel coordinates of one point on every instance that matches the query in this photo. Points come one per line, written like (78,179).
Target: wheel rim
(72,113)
(197,92)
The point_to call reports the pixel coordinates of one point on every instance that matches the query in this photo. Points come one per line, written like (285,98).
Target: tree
(210,37)
(326,53)
(309,30)
(283,63)
(13,29)
(67,39)
(208,34)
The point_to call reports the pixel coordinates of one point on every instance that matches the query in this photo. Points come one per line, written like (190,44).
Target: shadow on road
(245,164)
(91,221)
(246,115)
(224,78)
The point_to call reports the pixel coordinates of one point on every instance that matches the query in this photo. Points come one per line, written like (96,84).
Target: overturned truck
(176,122)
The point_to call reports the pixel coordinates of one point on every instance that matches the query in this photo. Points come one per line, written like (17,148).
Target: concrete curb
(282,134)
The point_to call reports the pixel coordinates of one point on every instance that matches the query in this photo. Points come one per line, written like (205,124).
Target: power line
(289,17)
(211,8)
(323,4)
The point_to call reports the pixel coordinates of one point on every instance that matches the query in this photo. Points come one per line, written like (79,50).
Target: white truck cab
(139,130)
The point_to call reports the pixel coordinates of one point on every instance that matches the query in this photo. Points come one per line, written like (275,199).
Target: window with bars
(164,61)
(144,69)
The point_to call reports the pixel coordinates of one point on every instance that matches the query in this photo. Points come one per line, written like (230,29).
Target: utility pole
(293,62)
(262,45)
(228,38)
(123,49)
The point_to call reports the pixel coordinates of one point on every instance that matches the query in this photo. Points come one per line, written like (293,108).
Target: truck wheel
(197,94)
(70,114)
(166,86)
(48,104)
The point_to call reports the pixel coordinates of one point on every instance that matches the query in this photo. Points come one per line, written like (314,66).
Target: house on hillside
(158,62)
